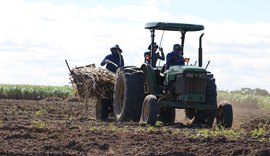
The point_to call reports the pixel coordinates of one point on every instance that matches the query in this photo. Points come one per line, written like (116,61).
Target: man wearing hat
(175,57)
(156,56)
(114,60)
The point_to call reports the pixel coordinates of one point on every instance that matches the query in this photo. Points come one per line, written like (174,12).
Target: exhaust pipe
(200,50)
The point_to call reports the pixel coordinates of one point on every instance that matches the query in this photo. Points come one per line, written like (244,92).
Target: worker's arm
(162,57)
(105,60)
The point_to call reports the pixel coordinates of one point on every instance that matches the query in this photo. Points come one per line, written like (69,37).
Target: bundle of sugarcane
(93,82)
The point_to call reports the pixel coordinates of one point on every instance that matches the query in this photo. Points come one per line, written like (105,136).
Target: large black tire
(207,117)
(167,115)
(225,115)
(128,94)
(102,109)
(149,110)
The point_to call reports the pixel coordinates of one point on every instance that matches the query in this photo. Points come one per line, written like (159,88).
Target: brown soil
(57,127)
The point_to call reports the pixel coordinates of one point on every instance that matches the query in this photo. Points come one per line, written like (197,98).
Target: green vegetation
(228,133)
(12,110)
(31,92)
(38,116)
(260,132)
(109,128)
(158,123)
(246,96)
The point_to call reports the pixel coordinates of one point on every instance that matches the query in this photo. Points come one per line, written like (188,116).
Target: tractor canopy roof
(174,26)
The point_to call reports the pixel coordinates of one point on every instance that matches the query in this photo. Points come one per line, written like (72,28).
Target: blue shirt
(174,58)
(155,57)
(115,58)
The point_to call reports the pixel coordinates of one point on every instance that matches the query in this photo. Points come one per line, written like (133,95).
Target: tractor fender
(149,79)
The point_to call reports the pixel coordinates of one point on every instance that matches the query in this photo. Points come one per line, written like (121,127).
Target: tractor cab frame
(183,28)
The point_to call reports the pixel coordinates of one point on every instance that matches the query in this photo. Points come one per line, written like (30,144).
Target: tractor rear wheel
(206,117)
(149,110)
(128,94)
(225,115)
(167,115)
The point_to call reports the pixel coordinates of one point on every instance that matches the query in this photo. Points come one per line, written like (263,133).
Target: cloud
(37,37)
(240,52)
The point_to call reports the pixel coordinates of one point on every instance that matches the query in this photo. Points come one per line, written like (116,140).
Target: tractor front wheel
(225,115)
(149,110)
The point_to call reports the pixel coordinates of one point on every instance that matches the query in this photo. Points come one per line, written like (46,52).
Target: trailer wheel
(149,110)
(167,115)
(225,115)
(128,94)
(102,109)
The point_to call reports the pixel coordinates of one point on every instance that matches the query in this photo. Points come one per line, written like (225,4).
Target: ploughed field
(57,127)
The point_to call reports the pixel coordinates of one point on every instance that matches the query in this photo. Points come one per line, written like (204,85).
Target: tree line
(256,91)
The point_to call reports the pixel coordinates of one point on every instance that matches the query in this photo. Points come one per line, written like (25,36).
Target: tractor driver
(175,57)
(156,56)
(114,60)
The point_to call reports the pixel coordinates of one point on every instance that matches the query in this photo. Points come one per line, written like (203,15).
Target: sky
(36,36)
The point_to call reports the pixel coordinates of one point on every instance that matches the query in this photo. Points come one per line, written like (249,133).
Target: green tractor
(146,94)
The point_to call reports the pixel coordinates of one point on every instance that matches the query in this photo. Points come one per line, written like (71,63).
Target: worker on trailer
(114,60)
